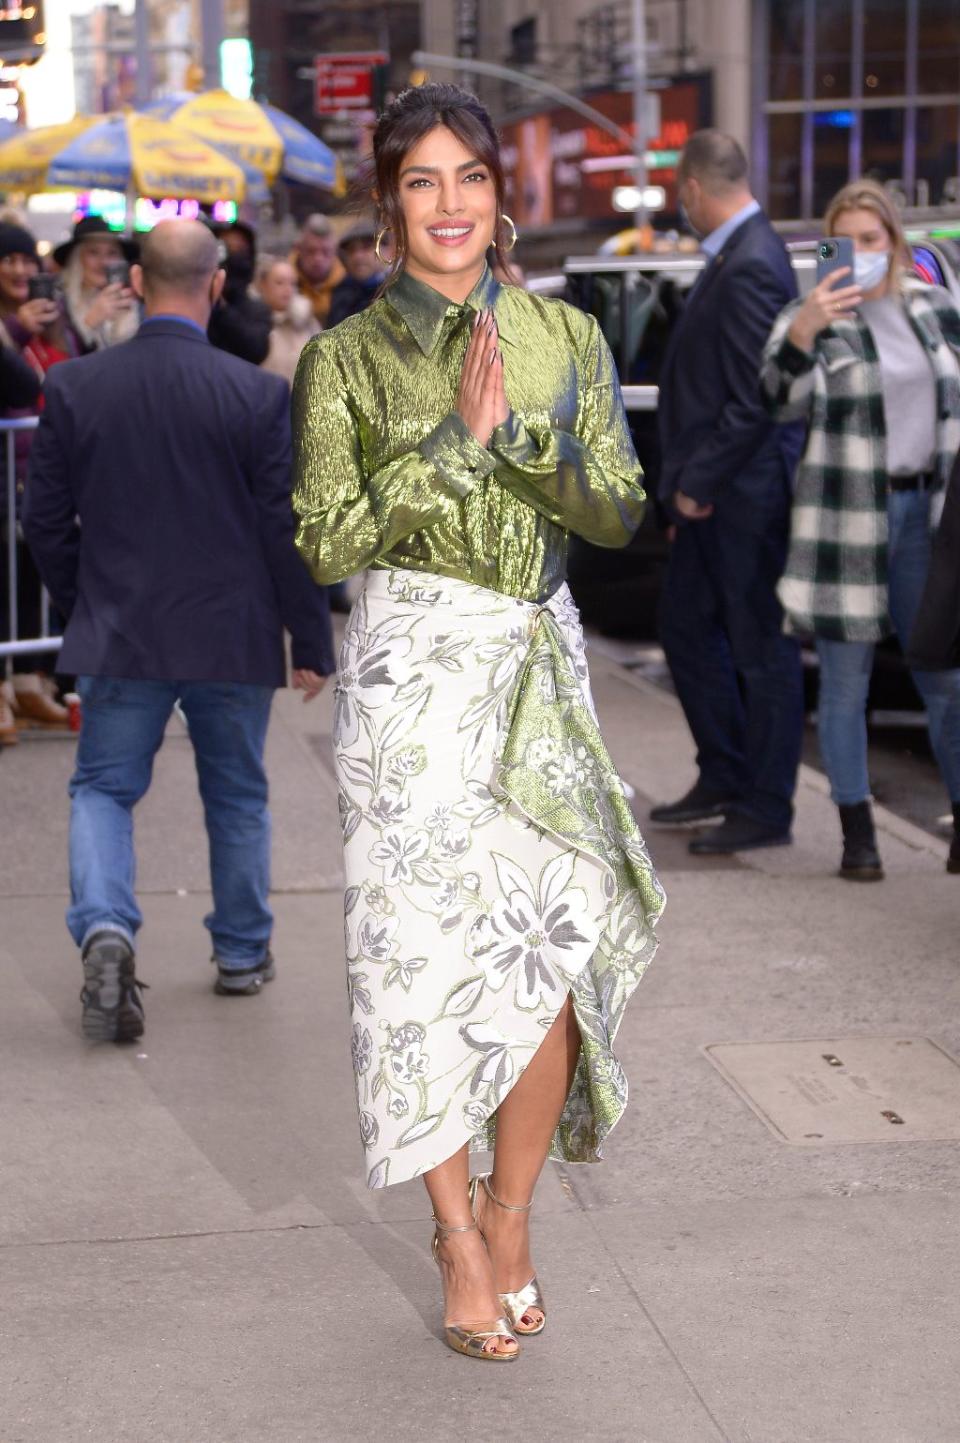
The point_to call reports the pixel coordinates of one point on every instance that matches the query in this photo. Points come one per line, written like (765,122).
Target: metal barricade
(15,645)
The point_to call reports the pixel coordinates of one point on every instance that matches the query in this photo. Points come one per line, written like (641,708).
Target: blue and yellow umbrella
(126,152)
(255,136)
(25,158)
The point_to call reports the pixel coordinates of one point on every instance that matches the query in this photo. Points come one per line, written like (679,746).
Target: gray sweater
(909,387)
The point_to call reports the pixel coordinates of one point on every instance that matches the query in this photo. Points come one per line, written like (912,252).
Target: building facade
(856,87)
(817,91)
(288,36)
(103,47)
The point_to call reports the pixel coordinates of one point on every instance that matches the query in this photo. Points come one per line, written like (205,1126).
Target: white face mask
(870,268)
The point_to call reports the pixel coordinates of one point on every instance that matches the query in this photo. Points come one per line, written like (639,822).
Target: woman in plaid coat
(871,362)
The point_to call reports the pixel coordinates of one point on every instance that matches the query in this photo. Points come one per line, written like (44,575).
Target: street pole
(144,90)
(427,60)
(211,19)
(639,16)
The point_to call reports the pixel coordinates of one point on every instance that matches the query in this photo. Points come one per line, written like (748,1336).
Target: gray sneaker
(112,1006)
(244,981)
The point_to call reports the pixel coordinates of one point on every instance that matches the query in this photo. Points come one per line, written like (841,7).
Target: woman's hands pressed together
(481,398)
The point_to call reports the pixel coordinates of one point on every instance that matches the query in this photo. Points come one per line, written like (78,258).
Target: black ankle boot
(953,861)
(861,860)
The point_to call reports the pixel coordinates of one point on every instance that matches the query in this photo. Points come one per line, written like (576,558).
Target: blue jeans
(123,726)
(845,668)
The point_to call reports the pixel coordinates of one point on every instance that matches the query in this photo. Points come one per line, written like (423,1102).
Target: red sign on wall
(343,81)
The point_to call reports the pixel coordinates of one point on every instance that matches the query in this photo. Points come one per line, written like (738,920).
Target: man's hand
(311,683)
(689,509)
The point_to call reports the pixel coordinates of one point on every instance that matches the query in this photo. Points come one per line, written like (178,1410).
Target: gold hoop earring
(379,242)
(513,232)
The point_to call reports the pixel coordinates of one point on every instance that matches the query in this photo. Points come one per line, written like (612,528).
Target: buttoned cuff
(793,360)
(512,442)
(456,455)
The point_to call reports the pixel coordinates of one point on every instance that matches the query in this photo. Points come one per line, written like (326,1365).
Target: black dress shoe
(738,834)
(699,805)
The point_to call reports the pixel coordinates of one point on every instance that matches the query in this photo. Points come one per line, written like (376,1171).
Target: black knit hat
(16,240)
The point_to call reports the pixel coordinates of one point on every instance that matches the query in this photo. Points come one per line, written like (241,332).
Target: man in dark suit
(725,483)
(158,510)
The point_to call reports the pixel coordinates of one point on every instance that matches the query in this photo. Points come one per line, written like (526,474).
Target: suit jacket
(718,444)
(935,641)
(176,459)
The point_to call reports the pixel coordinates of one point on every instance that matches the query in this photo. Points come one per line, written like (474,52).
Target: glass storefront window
(938,163)
(832,32)
(938,47)
(883,145)
(897,119)
(785,70)
(785,138)
(884,47)
(831,156)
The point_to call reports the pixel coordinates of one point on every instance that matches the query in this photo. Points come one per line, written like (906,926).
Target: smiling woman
(441,187)
(500,902)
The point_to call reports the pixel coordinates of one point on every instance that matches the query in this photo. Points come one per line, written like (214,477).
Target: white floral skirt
(493,867)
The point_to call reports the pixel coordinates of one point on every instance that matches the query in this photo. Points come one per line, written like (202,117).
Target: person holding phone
(30,326)
(101,309)
(870,360)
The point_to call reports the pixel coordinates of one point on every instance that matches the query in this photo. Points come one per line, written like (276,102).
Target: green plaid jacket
(835,581)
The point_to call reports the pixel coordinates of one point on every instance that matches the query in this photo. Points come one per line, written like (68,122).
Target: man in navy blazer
(158,510)
(725,482)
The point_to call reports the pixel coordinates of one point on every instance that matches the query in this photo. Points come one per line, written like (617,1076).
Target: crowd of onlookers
(77,301)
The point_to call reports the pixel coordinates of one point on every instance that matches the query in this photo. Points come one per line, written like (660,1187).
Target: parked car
(637,300)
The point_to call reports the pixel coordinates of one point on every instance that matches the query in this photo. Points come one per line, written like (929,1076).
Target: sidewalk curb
(809,777)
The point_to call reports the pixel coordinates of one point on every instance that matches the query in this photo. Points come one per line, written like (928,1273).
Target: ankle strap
(445,1229)
(508,1207)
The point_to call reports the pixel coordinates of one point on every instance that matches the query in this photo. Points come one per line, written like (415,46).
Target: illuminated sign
(236,68)
(562,167)
(22,35)
(112,206)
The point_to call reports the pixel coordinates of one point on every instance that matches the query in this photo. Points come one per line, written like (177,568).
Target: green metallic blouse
(387,474)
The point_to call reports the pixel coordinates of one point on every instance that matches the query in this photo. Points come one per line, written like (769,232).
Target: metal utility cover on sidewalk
(847,1089)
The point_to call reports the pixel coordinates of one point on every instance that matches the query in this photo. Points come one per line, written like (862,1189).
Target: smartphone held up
(43,287)
(117,273)
(835,253)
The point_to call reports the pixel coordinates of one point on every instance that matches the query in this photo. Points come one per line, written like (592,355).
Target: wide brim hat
(88,228)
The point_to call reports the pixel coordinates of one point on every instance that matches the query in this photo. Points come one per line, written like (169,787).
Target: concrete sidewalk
(187,1250)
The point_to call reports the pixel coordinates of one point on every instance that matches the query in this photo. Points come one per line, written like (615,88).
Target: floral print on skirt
(493,867)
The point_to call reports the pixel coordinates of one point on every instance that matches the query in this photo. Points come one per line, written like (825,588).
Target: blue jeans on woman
(845,667)
(123,727)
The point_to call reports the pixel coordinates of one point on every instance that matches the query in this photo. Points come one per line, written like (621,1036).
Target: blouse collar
(424,310)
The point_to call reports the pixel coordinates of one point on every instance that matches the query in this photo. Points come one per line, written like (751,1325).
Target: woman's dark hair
(406,120)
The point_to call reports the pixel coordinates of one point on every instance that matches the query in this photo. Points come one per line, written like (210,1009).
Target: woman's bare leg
(526,1121)
(470,1297)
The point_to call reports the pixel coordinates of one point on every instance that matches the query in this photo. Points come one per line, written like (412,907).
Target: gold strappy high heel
(464,1338)
(530,1296)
